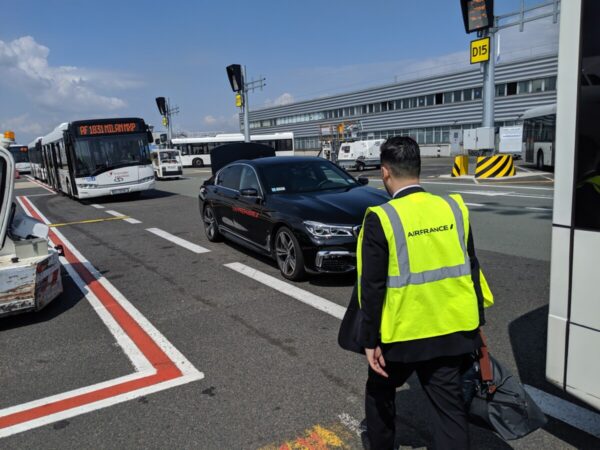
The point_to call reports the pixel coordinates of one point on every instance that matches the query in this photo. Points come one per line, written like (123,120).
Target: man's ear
(385,173)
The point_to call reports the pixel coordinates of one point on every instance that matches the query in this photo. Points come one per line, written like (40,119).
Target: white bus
(94,158)
(196,151)
(572,358)
(35,158)
(539,135)
(20,154)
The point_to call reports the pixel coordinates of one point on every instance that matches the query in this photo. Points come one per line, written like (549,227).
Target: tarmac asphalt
(273,372)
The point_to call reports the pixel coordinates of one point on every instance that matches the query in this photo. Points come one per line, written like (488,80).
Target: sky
(63,60)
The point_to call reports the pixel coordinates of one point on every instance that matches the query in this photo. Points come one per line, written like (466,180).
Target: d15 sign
(480,50)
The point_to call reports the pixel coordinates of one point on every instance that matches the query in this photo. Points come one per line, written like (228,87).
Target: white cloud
(284,99)
(24,65)
(23,124)
(221,123)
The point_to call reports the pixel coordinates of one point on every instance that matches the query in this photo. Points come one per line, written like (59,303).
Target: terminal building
(425,108)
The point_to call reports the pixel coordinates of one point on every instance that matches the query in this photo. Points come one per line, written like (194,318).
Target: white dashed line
(306,297)
(533,208)
(94,205)
(474,204)
(177,240)
(566,412)
(118,214)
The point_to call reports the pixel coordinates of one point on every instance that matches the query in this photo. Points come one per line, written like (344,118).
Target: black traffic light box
(236,78)
(477,14)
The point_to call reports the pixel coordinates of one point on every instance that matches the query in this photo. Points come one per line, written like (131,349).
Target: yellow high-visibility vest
(429,291)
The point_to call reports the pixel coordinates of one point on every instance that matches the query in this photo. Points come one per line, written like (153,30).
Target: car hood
(339,206)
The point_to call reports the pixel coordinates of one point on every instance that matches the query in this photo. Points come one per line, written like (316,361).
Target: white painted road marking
(43,186)
(97,206)
(177,240)
(533,208)
(306,297)
(164,366)
(474,204)
(118,214)
(567,412)
(504,194)
(496,186)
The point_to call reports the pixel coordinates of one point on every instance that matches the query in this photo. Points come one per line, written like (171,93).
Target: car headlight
(323,230)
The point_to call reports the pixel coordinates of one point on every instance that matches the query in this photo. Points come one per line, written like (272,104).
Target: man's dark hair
(401,155)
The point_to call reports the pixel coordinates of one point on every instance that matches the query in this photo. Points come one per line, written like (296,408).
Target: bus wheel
(540,160)
(198,162)
(360,166)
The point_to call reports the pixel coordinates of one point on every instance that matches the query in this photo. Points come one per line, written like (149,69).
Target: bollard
(461,166)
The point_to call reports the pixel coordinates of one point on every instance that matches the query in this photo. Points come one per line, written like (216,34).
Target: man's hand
(376,361)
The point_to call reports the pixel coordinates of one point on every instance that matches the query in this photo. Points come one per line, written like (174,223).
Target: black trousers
(441,380)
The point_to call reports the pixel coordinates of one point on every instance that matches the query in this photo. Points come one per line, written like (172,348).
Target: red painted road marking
(165,368)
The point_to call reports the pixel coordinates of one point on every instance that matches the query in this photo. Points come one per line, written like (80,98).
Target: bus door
(71,158)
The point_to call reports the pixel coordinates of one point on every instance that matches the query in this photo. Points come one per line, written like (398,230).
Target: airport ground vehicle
(93,158)
(305,212)
(196,151)
(166,163)
(29,271)
(20,154)
(572,361)
(359,154)
(539,135)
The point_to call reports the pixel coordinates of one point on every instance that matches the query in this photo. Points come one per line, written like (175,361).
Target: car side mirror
(250,192)
(363,181)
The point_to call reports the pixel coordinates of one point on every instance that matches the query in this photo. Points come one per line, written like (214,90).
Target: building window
(457,97)
(477,93)
(500,90)
(523,87)
(439,98)
(537,85)
(371,108)
(550,84)
(430,100)
(377,107)
(511,88)
(384,106)
(447,97)
(421,101)
(467,95)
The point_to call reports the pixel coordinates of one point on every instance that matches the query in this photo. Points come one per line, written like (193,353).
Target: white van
(166,163)
(360,154)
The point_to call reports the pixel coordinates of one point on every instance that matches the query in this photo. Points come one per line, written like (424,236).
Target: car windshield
(168,157)
(96,155)
(294,177)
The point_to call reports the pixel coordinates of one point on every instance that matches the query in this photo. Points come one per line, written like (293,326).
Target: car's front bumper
(335,261)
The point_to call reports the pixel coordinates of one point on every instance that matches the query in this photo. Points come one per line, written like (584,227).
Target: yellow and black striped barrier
(461,166)
(496,166)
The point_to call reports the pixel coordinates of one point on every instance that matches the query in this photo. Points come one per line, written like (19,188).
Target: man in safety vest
(421,296)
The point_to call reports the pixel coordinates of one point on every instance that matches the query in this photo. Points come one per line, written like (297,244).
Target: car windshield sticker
(277,189)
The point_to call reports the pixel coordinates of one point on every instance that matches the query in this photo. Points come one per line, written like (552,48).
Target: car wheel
(540,160)
(288,254)
(198,162)
(211,228)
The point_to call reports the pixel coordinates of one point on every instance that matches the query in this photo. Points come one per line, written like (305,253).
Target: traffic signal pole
(246,110)
(489,83)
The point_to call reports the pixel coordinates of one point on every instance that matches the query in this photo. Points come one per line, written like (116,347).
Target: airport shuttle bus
(539,131)
(20,154)
(572,359)
(93,158)
(196,151)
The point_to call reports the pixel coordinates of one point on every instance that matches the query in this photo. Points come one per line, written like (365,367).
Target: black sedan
(305,212)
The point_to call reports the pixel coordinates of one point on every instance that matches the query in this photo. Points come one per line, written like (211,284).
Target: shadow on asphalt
(315,279)
(126,198)
(70,297)
(528,336)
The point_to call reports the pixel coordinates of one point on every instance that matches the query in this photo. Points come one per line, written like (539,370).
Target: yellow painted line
(55,225)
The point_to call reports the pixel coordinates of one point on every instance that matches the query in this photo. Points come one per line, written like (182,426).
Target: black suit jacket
(360,326)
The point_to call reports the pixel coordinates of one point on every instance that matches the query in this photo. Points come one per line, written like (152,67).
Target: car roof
(274,160)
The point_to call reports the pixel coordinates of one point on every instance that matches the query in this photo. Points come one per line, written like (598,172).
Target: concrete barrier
(496,166)
(461,166)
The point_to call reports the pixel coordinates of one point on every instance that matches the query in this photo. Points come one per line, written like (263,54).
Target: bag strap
(485,365)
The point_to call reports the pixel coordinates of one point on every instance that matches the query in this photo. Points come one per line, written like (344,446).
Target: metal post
(246,119)
(169,122)
(489,84)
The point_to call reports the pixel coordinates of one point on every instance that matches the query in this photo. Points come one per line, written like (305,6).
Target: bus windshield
(96,155)
(18,154)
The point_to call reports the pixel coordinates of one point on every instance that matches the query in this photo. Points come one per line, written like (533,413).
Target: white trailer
(360,154)
(29,270)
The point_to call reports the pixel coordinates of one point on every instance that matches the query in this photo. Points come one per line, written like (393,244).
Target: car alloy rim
(286,253)
(209,222)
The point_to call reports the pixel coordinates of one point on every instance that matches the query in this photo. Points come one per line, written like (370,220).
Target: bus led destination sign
(107,128)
